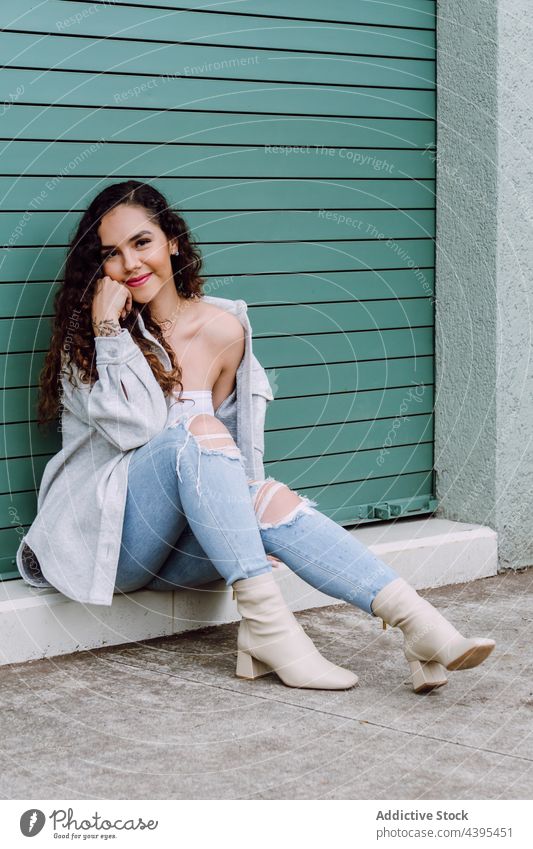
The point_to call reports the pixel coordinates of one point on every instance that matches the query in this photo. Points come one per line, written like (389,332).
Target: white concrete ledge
(39,623)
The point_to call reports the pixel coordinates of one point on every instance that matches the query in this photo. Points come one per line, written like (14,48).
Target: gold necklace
(176,312)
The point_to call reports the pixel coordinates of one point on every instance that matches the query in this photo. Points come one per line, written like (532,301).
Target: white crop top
(193,401)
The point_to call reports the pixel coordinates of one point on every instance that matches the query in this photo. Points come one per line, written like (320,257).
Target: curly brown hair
(72,338)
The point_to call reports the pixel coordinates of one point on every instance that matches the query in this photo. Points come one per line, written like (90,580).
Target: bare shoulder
(222,326)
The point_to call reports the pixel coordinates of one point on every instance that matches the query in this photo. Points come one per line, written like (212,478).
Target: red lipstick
(138,281)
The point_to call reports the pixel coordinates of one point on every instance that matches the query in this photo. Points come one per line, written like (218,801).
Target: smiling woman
(143,499)
(105,256)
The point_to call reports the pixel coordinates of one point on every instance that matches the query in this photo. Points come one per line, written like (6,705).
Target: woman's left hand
(276,563)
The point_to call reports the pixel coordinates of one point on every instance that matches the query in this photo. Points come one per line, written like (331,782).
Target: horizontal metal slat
(340,501)
(55,229)
(352,466)
(78,123)
(152,61)
(327,287)
(26,299)
(26,439)
(21,474)
(318,441)
(27,264)
(312,256)
(25,473)
(330,470)
(306,319)
(18,508)
(123,91)
(288,414)
(178,26)
(74,193)
(304,343)
(276,352)
(326,378)
(20,370)
(419,13)
(126,160)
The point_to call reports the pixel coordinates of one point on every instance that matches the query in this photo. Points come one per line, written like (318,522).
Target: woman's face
(134,246)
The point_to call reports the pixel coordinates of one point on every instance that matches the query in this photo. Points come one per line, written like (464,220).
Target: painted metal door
(299,142)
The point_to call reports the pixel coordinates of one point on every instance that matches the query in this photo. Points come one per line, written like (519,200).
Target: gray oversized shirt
(74,541)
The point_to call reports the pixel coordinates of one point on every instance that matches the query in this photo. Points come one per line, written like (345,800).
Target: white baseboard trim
(39,623)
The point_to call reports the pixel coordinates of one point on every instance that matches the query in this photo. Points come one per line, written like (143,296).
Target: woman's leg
(330,559)
(186,566)
(319,550)
(214,494)
(153,517)
(215,499)
(155,514)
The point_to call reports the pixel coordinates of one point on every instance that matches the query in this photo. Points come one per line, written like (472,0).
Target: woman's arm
(228,339)
(126,405)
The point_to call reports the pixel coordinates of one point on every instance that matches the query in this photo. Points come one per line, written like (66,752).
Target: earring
(175,253)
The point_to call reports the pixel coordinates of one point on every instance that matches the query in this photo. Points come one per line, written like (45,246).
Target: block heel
(249,667)
(426,676)
(271,640)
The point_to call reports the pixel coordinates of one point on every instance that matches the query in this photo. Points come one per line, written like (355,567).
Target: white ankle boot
(431,642)
(271,640)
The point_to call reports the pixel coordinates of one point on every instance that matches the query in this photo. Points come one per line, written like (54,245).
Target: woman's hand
(275,561)
(112,301)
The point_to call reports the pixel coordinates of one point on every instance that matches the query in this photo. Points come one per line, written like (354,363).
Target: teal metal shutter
(301,150)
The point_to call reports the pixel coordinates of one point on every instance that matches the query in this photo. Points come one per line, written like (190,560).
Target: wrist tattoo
(107,327)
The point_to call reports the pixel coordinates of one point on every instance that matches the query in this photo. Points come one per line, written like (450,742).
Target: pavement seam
(331,713)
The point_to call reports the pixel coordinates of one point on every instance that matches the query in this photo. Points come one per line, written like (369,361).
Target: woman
(160,481)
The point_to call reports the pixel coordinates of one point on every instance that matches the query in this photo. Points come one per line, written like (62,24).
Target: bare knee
(276,504)
(203,423)
(210,433)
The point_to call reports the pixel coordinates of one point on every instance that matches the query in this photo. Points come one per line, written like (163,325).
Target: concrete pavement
(167,719)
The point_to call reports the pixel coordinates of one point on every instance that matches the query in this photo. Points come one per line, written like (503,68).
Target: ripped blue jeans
(189,520)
